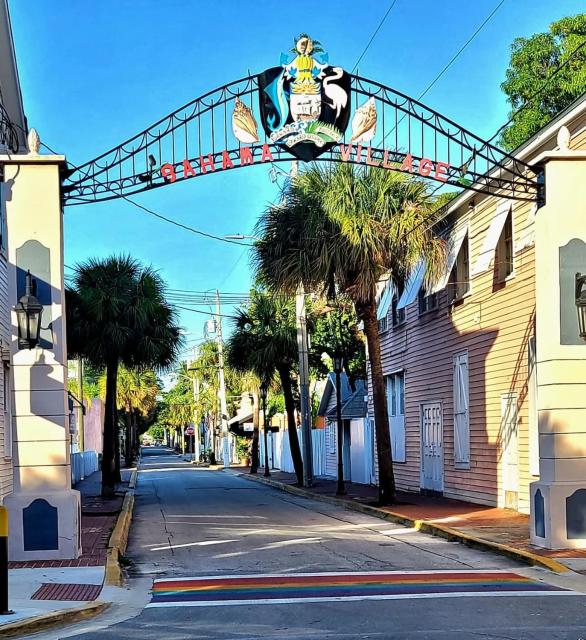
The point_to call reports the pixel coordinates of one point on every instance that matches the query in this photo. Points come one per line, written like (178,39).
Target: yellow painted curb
(118,541)
(425,526)
(40,622)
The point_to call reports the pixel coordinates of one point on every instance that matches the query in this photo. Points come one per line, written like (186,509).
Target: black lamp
(581,303)
(28,316)
(338,362)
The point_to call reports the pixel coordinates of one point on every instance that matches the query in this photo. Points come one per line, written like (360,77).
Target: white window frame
(396,412)
(501,276)
(461,411)
(7,409)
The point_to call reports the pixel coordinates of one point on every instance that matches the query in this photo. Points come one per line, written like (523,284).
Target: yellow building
(466,377)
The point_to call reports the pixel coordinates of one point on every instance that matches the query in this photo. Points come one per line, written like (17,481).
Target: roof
(245,416)
(354,406)
(331,388)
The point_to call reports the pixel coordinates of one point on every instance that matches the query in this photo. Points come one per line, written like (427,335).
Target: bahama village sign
(304,107)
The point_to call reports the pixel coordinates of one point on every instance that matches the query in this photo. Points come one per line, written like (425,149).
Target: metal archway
(197,139)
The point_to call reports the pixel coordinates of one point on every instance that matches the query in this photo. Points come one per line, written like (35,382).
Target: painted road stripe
(331,587)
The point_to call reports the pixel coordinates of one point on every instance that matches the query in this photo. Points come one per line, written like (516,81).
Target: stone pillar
(558,500)
(44,511)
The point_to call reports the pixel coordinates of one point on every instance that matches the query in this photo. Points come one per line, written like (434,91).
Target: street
(195,522)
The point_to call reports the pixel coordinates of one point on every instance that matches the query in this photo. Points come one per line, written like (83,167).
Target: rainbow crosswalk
(323,587)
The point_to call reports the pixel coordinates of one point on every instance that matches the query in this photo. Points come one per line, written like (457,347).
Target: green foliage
(243,447)
(336,332)
(275,404)
(156,432)
(533,62)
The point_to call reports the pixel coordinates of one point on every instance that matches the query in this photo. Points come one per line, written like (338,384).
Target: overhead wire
(378,28)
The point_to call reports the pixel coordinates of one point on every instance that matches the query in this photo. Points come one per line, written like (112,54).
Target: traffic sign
(189,431)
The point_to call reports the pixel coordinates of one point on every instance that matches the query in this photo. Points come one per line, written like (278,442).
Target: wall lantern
(338,362)
(28,316)
(581,303)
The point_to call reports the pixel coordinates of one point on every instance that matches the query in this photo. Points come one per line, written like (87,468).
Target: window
(396,411)
(7,412)
(398,315)
(461,412)
(382,325)
(460,275)
(427,302)
(504,250)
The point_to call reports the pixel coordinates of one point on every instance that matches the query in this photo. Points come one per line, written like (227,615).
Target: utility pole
(303,349)
(80,432)
(223,406)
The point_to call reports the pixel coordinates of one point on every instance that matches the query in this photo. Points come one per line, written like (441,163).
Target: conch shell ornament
(243,123)
(364,122)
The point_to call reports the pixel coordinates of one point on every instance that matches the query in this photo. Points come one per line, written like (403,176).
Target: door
(510,450)
(358,453)
(346,449)
(432,454)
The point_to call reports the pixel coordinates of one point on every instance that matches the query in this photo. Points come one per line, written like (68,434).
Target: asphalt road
(192,522)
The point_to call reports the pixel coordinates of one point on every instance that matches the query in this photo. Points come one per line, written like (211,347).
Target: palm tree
(117,314)
(342,230)
(136,394)
(265,341)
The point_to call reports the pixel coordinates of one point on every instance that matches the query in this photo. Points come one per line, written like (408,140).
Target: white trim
(503,209)
(413,285)
(455,241)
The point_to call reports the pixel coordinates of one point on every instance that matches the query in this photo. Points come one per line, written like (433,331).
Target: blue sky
(95,73)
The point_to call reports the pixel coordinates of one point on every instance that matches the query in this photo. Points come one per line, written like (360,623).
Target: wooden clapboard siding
(493,324)
(331,468)
(5,461)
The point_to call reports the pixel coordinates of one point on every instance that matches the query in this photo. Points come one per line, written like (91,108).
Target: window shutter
(413,285)
(461,410)
(454,242)
(492,237)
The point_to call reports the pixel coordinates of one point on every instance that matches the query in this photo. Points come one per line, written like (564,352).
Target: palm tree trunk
(110,432)
(386,477)
(254,461)
(285,375)
(128,440)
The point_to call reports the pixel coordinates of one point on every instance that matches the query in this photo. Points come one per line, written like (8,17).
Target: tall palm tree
(265,341)
(343,230)
(117,314)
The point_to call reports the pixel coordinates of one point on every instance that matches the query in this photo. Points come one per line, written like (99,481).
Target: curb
(425,526)
(41,622)
(119,539)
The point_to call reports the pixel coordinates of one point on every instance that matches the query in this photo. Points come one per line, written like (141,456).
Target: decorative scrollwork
(8,132)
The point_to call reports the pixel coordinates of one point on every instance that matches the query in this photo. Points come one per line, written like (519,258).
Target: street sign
(189,431)
(248,426)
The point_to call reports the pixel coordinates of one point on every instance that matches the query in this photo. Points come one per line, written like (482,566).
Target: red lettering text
(188,169)
(407,164)
(345,152)
(386,163)
(425,167)
(266,154)
(369,160)
(168,172)
(441,171)
(227,161)
(359,153)
(207,164)
(246,156)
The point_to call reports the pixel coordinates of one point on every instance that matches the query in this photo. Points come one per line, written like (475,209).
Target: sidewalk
(499,530)
(51,591)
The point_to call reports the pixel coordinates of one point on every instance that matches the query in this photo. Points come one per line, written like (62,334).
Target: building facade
(12,139)
(460,355)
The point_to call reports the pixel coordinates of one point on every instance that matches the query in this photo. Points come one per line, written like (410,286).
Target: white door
(358,453)
(432,455)
(510,450)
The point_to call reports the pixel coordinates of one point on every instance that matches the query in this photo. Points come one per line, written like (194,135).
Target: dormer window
(459,281)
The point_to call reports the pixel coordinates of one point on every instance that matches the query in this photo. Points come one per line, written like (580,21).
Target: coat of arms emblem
(305,103)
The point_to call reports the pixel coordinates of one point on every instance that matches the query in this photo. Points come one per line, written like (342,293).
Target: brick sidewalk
(501,526)
(98,518)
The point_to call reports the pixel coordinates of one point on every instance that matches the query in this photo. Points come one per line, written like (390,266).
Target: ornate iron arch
(197,139)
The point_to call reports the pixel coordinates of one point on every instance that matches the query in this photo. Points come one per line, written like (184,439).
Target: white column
(558,500)
(44,511)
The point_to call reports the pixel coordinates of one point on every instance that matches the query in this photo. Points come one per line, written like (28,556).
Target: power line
(156,214)
(380,24)
(450,63)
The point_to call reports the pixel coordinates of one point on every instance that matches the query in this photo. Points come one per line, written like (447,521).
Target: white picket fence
(280,451)
(83,464)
